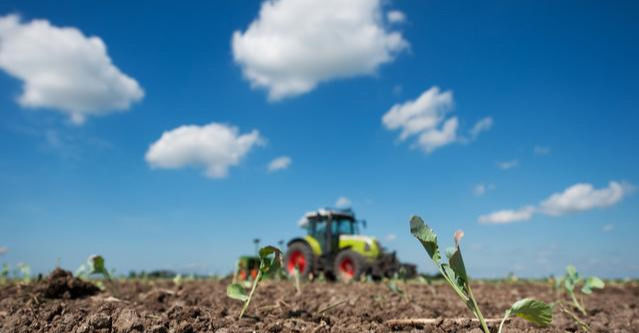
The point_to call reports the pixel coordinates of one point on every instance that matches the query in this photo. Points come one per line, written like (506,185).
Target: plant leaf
(455,283)
(592,282)
(457,264)
(96,264)
(268,263)
(534,311)
(236,291)
(426,236)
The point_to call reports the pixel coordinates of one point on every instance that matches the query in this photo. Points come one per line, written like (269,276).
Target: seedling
(270,261)
(4,273)
(570,281)
(25,272)
(95,266)
(530,309)
(296,275)
(454,272)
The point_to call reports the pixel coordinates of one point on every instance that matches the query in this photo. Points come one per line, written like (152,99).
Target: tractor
(333,246)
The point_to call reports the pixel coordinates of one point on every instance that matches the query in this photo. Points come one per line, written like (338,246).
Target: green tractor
(334,247)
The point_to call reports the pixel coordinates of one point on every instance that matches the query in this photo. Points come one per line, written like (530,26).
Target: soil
(63,304)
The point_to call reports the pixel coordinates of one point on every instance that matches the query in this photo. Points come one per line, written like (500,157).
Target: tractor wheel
(299,255)
(348,265)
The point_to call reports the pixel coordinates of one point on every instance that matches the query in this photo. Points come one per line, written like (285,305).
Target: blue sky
(554,82)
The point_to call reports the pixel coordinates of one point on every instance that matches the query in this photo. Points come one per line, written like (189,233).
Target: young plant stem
(579,322)
(578,305)
(472,306)
(250,296)
(501,325)
(297,282)
(477,311)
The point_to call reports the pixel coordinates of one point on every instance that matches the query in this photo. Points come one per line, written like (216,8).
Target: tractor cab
(326,227)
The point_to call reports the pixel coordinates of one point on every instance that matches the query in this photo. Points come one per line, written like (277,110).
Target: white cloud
(508,215)
(482,125)
(395,16)
(481,189)
(426,117)
(63,69)
(390,237)
(3,250)
(216,147)
(280,163)
(608,227)
(583,196)
(505,165)
(541,150)
(343,202)
(576,198)
(436,138)
(295,44)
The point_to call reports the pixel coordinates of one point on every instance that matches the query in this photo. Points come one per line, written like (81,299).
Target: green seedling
(178,279)
(530,309)
(454,272)
(4,273)
(296,274)
(572,279)
(25,272)
(270,261)
(95,266)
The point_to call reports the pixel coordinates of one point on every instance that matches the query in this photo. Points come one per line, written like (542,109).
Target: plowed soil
(67,305)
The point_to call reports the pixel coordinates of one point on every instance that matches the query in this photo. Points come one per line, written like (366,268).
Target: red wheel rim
(296,259)
(346,268)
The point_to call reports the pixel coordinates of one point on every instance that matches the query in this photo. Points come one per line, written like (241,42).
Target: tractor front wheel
(348,265)
(299,256)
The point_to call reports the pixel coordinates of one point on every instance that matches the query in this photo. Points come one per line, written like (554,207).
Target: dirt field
(65,305)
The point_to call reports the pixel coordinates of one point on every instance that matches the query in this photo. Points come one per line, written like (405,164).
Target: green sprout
(530,309)
(25,272)
(4,273)
(270,261)
(93,266)
(454,272)
(572,279)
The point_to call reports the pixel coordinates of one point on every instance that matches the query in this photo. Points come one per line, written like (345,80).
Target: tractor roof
(325,212)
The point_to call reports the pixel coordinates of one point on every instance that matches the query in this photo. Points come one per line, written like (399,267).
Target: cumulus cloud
(280,163)
(576,198)
(583,196)
(215,147)
(428,118)
(390,237)
(64,70)
(3,250)
(395,16)
(608,227)
(482,125)
(293,45)
(343,202)
(506,165)
(508,215)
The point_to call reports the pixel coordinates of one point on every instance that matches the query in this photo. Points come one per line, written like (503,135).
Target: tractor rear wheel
(299,255)
(348,265)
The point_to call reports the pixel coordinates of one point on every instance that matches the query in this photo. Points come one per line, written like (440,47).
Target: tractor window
(344,227)
(319,230)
